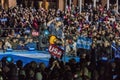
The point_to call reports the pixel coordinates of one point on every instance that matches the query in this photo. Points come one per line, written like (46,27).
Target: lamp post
(80,5)
(117,6)
(108,4)
(94,4)
(65,5)
(70,2)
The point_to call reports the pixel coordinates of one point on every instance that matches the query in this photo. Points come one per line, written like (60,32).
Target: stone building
(61,4)
(7,3)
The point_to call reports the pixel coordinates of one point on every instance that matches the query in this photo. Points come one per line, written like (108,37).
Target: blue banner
(3,19)
(116,50)
(84,42)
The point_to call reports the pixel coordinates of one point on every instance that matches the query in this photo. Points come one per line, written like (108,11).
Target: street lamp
(108,3)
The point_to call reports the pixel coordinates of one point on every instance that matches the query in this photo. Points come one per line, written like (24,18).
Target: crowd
(58,70)
(19,27)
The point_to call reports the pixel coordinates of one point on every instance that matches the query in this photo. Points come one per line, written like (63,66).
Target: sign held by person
(55,51)
(84,42)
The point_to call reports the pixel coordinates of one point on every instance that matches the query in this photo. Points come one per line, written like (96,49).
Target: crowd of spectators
(58,70)
(19,27)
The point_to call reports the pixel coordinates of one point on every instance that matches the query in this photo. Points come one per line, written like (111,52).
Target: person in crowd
(14,43)
(7,44)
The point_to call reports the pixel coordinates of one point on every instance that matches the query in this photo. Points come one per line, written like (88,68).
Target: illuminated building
(57,4)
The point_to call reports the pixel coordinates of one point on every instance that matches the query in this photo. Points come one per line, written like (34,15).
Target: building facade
(58,4)
(7,3)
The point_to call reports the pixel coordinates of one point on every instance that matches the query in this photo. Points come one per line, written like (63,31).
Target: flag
(116,50)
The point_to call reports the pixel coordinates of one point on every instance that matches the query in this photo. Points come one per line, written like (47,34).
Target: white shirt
(7,44)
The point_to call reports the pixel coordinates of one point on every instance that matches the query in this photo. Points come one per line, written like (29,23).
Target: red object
(106,18)
(55,51)
(35,25)
(114,24)
(101,9)
(70,41)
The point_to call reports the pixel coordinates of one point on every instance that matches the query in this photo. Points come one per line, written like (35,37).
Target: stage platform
(28,56)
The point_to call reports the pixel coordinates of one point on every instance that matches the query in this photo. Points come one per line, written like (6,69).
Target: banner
(55,51)
(3,19)
(116,50)
(84,42)
(35,33)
